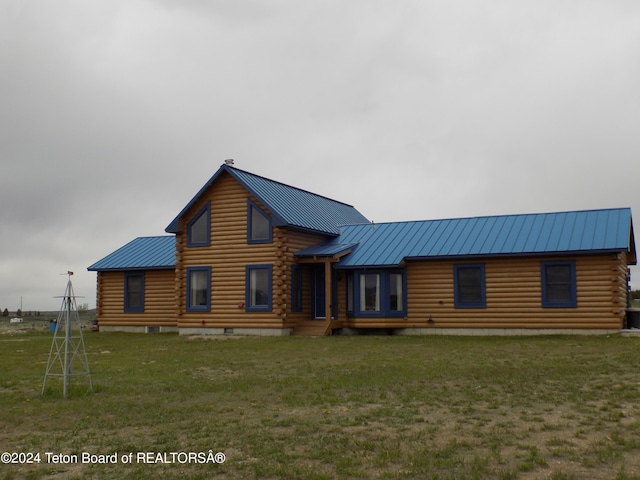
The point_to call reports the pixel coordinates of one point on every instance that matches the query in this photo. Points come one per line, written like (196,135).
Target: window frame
(354,293)
(296,288)
(127,307)
(198,308)
(350,296)
(403,290)
(252,208)
(457,300)
(248,304)
(206,210)
(572,302)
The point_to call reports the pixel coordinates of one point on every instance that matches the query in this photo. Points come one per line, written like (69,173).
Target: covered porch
(318,261)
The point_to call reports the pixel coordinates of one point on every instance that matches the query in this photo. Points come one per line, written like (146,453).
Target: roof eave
(308,229)
(173,227)
(631,250)
(278,220)
(129,269)
(479,256)
(370,267)
(516,254)
(316,251)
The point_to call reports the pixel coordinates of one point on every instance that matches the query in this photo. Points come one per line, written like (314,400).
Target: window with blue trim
(469,286)
(258,224)
(396,292)
(377,293)
(198,289)
(199,228)
(558,284)
(350,293)
(258,288)
(134,292)
(296,288)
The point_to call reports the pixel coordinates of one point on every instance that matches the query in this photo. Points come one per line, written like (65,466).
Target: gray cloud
(113,114)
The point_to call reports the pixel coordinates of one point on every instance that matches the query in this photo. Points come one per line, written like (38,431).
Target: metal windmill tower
(68,357)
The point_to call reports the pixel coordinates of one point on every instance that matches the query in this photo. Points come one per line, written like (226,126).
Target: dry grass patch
(335,407)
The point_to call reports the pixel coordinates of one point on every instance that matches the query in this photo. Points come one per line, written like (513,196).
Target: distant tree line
(19,313)
(82,309)
(635,294)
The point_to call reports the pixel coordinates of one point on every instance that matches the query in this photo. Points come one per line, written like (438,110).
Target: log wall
(159,309)
(228,255)
(513,296)
(296,240)
(513,285)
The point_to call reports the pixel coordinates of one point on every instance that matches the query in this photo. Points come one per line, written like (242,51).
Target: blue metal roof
(388,244)
(289,205)
(325,250)
(142,253)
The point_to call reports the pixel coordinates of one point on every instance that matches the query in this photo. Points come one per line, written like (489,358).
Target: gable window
(376,293)
(258,224)
(558,284)
(134,292)
(258,288)
(198,228)
(469,286)
(198,289)
(296,288)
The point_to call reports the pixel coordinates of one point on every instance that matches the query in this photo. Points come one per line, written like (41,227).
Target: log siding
(292,241)
(345,243)
(228,255)
(158,300)
(513,296)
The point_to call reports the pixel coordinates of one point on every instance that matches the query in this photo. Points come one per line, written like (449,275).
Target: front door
(318,293)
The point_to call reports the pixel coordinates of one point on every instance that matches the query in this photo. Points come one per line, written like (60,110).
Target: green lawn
(368,407)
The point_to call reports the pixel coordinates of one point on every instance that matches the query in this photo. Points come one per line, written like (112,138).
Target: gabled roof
(289,205)
(388,244)
(143,253)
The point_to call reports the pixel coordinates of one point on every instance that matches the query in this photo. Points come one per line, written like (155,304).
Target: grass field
(369,407)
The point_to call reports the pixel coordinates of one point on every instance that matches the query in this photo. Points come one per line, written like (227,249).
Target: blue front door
(318,293)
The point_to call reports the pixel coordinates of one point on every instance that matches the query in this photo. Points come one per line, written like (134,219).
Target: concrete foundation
(144,329)
(285,332)
(263,332)
(501,331)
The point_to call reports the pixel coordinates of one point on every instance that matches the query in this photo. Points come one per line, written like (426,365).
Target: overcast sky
(114,113)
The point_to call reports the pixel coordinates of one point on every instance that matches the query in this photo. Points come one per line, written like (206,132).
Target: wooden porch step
(310,329)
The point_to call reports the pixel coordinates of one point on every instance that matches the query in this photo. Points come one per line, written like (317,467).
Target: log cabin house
(249,255)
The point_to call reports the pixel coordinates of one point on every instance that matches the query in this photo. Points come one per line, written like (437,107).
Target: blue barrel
(52,326)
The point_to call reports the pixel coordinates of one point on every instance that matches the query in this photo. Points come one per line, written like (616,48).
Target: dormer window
(198,229)
(258,224)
